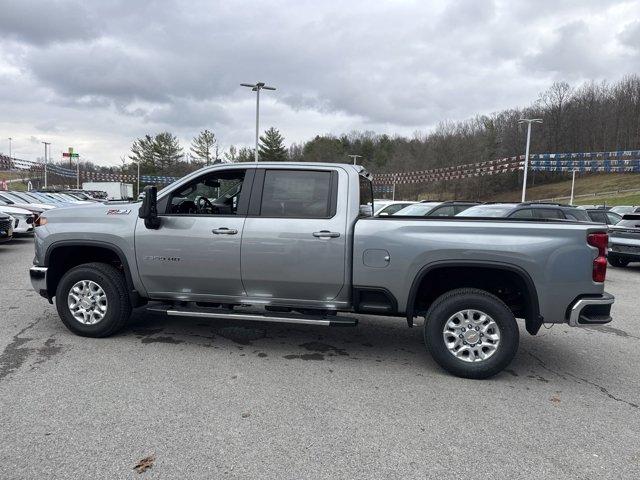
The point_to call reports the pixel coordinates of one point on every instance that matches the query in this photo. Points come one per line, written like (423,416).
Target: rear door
(294,240)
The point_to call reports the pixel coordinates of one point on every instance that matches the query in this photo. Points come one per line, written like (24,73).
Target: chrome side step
(328,321)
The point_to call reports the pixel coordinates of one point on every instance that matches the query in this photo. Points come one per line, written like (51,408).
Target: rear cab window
(299,194)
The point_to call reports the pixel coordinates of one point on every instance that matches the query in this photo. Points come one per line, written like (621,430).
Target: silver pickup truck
(297,243)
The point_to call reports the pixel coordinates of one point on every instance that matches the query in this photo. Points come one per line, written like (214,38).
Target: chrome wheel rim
(471,335)
(87,302)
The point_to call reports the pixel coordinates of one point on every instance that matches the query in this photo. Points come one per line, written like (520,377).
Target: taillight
(40,221)
(599,240)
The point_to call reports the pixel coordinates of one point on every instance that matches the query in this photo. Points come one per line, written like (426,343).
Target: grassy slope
(587,183)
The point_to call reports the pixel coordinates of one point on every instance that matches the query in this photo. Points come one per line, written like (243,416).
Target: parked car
(435,209)
(37,211)
(380,203)
(393,207)
(600,215)
(297,243)
(27,203)
(624,241)
(624,209)
(6,227)
(23,219)
(527,210)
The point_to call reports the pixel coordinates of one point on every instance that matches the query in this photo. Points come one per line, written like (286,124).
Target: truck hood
(93,211)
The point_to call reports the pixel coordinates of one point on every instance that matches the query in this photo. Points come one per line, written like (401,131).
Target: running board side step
(328,321)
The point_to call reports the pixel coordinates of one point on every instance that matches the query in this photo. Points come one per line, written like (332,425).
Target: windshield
(37,197)
(486,211)
(417,209)
(18,198)
(622,209)
(393,208)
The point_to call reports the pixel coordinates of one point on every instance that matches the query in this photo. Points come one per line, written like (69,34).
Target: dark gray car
(527,210)
(624,241)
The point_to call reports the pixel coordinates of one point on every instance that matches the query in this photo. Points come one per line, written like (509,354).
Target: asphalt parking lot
(240,400)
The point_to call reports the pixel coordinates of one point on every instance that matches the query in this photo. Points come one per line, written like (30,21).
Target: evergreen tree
(167,151)
(142,152)
(245,154)
(272,147)
(203,146)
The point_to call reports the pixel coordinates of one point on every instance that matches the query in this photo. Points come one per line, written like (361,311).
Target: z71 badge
(115,211)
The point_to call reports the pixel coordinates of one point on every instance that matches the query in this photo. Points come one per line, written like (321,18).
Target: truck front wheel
(92,300)
(471,333)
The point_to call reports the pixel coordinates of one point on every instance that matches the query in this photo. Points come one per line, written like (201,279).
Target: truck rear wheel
(471,333)
(92,300)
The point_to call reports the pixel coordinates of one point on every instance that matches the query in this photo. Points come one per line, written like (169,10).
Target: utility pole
(138,164)
(256,88)
(46,144)
(354,157)
(528,121)
(10,157)
(573,184)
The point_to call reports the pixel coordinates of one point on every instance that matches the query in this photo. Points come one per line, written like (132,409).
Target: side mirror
(149,208)
(366,211)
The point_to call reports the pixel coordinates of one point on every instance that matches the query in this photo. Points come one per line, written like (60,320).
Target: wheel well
(63,258)
(514,288)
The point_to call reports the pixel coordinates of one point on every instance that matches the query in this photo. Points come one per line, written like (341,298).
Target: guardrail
(592,195)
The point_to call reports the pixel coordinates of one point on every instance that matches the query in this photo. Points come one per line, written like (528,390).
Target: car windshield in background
(486,211)
(393,208)
(629,222)
(417,209)
(622,209)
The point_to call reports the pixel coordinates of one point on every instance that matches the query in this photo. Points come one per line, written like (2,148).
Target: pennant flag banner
(586,165)
(623,161)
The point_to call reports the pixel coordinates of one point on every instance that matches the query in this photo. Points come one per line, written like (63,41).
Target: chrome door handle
(326,234)
(224,231)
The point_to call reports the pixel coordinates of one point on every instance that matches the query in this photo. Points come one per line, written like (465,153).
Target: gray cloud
(111,70)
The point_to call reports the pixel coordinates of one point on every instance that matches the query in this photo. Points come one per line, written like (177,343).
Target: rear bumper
(591,310)
(39,280)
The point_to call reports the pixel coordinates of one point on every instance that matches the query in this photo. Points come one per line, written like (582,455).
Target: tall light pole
(10,147)
(573,184)
(354,157)
(256,88)
(528,121)
(46,144)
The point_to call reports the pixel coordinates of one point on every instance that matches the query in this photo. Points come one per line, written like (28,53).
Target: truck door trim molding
(533,321)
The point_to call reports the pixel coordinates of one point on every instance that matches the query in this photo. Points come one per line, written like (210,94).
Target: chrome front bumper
(591,311)
(39,280)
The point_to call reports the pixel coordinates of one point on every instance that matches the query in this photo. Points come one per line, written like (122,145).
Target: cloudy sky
(97,74)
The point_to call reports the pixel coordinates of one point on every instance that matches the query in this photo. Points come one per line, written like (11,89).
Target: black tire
(447,305)
(114,285)
(616,261)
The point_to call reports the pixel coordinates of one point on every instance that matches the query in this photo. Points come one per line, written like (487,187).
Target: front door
(195,254)
(294,241)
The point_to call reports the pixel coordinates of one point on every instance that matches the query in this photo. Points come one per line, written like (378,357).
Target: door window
(446,211)
(524,213)
(613,218)
(215,193)
(297,194)
(549,213)
(598,217)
